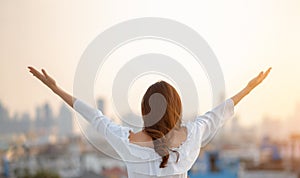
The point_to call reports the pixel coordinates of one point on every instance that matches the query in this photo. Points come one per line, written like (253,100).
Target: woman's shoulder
(177,138)
(140,138)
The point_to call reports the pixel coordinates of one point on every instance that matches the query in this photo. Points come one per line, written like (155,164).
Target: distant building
(44,120)
(13,125)
(65,121)
(3,112)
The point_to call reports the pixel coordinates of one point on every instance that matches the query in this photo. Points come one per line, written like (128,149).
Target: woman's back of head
(161,109)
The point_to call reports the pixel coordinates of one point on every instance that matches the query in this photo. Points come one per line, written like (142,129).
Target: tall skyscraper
(65,121)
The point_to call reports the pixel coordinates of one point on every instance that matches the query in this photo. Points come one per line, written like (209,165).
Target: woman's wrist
(55,89)
(247,89)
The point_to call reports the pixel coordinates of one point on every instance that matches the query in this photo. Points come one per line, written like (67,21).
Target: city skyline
(46,122)
(43,123)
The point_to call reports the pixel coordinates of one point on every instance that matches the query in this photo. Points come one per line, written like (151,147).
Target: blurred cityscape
(47,144)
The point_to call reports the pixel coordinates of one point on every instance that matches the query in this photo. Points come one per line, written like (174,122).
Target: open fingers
(36,73)
(45,73)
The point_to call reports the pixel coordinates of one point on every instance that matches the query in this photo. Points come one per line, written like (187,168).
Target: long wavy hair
(164,122)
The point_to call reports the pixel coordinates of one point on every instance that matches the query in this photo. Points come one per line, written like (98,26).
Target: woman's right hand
(43,77)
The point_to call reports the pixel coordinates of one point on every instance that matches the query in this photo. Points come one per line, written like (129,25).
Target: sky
(246,37)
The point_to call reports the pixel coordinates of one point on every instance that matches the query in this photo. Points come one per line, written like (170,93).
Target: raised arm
(50,82)
(251,85)
(115,134)
(213,120)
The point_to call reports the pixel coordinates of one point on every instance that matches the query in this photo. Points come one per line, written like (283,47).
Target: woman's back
(177,137)
(136,149)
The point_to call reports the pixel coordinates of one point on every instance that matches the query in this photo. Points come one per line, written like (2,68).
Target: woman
(165,147)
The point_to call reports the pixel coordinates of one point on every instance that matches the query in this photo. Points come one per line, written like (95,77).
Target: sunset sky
(246,36)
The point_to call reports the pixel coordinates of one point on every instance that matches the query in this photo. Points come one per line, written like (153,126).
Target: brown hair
(165,122)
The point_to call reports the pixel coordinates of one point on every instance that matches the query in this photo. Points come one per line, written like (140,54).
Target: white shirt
(143,162)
